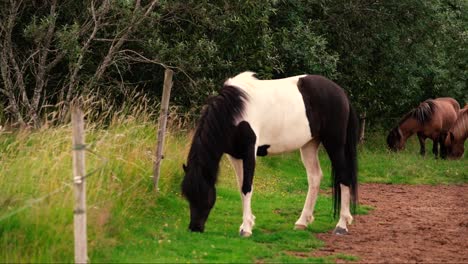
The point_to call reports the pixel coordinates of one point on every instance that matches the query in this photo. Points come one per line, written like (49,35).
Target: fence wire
(69,184)
(30,203)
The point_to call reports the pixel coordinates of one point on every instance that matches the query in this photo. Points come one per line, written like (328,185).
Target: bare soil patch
(410,223)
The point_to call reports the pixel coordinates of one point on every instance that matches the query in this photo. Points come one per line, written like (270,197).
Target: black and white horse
(252,117)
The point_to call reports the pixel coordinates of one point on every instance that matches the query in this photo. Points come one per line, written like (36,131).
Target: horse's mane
(423,113)
(213,130)
(460,129)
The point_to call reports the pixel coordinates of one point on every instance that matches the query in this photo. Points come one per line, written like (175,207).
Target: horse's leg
(237,164)
(339,164)
(314,175)
(248,219)
(443,149)
(422,143)
(345,213)
(435,147)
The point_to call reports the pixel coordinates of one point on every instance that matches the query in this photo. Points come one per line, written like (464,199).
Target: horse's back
(447,112)
(448,102)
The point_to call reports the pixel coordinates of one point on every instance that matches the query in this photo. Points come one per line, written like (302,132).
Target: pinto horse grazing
(431,119)
(455,140)
(252,117)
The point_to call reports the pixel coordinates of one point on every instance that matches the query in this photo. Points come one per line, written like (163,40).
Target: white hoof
(300,227)
(243,233)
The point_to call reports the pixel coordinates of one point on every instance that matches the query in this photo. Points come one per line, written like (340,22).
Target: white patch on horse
(275,110)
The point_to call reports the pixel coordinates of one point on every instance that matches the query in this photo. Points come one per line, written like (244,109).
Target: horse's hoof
(300,227)
(340,231)
(243,233)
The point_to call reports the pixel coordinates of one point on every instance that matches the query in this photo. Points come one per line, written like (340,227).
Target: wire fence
(67,186)
(30,203)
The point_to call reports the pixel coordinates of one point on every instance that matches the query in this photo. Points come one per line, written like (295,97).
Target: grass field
(128,222)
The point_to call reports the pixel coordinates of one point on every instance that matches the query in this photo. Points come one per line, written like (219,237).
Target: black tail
(350,152)
(352,138)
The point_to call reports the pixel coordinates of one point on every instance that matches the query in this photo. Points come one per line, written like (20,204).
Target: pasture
(128,222)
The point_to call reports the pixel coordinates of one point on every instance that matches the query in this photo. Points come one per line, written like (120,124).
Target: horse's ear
(452,137)
(399,133)
(396,133)
(184,167)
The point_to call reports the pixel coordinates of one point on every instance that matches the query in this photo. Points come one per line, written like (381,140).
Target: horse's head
(455,148)
(201,195)
(394,140)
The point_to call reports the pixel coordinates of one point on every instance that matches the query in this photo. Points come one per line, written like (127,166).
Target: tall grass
(129,222)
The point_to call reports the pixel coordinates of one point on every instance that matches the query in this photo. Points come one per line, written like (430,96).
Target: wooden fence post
(362,127)
(162,125)
(81,247)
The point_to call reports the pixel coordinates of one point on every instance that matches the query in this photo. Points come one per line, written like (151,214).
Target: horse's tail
(352,134)
(352,137)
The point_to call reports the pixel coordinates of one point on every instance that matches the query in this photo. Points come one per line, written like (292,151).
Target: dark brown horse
(431,119)
(455,141)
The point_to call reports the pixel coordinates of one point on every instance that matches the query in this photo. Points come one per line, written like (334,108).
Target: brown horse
(431,119)
(455,141)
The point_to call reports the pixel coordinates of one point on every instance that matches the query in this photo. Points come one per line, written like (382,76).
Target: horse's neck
(460,129)
(203,154)
(409,127)
(206,162)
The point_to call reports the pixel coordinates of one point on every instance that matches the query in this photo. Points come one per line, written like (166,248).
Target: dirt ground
(409,224)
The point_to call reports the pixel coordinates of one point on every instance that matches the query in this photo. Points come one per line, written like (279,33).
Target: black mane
(211,136)
(423,113)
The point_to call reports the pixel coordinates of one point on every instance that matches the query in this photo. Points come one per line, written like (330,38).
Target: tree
(388,55)
(35,39)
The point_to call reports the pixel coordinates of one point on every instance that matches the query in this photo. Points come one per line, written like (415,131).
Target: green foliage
(68,40)
(296,57)
(395,54)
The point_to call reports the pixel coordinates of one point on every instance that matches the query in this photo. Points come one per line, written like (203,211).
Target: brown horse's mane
(423,113)
(460,129)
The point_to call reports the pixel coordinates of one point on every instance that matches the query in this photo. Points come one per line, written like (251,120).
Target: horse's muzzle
(196,228)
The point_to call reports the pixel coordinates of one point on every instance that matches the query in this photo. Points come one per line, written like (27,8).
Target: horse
(457,135)
(252,117)
(431,119)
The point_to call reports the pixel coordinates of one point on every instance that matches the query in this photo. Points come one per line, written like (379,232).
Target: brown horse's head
(395,140)
(455,148)
(455,139)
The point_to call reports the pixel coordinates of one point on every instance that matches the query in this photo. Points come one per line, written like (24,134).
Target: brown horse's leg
(435,147)
(443,149)
(422,143)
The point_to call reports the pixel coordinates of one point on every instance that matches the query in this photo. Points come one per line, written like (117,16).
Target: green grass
(377,164)
(128,222)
